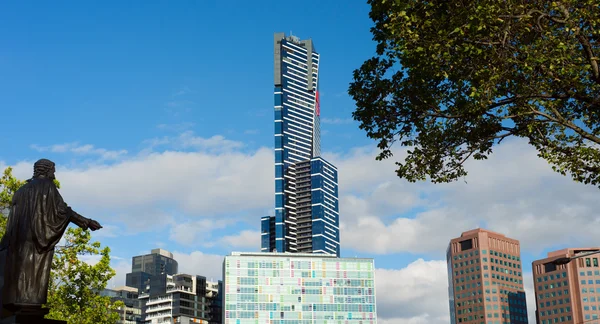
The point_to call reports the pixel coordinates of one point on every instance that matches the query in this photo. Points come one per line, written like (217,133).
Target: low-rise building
(298,288)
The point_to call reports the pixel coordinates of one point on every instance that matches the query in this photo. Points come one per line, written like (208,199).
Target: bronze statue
(37,220)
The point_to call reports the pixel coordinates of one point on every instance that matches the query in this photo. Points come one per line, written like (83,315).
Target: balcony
(159,300)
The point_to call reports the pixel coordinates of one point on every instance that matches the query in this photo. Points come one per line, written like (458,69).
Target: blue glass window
(317,182)
(278,99)
(279,185)
(278,201)
(279,127)
(278,156)
(278,114)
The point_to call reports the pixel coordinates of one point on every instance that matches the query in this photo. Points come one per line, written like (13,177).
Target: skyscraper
(485,279)
(567,293)
(306,186)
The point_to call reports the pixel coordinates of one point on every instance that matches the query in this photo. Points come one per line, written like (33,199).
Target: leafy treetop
(451,79)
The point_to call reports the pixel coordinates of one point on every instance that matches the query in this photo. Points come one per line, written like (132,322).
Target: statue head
(44,168)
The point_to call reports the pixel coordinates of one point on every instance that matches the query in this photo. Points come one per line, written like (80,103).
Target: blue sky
(159,116)
(93,64)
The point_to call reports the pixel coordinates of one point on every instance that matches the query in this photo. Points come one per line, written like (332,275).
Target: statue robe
(38,219)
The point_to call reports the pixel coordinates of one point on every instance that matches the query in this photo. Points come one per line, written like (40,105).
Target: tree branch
(587,47)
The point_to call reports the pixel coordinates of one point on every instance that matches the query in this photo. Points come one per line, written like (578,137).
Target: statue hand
(94,225)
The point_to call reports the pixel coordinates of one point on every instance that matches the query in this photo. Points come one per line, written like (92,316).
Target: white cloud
(415,294)
(81,149)
(188,140)
(512,193)
(215,180)
(248,240)
(196,232)
(199,263)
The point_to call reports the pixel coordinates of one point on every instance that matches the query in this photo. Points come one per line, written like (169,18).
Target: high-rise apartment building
(183,299)
(568,293)
(298,288)
(306,186)
(485,279)
(143,267)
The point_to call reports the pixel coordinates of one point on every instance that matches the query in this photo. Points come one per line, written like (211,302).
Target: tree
(452,79)
(73,292)
(8,186)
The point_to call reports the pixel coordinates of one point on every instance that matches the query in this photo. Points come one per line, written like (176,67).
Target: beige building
(485,279)
(568,292)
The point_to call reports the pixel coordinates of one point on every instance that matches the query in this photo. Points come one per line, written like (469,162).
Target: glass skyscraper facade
(306,186)
(298,288)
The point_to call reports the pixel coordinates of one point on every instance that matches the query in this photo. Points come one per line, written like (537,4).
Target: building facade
(131,312)
(181,298)
(567,293)
(306,216)
(485,279)
(298,288)
(143,267)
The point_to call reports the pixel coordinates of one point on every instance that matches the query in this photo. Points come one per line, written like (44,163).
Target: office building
(131,313)
(143,267)
(485,279)
(568,293)
(181,298)
(298,288)
(306,216)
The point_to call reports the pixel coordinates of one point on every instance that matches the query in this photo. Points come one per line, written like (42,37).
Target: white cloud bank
(513,192)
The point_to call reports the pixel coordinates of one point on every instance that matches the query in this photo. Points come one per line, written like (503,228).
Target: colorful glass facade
(298,288)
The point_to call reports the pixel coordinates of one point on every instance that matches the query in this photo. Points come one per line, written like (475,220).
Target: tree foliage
(452,79)
(8,186)
(73,292)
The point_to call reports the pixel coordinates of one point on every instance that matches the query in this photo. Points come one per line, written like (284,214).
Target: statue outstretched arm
(83,222)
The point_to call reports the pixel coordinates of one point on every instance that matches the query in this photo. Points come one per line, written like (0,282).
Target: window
(466,245)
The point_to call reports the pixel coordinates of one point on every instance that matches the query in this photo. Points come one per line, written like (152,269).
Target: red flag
(318,104)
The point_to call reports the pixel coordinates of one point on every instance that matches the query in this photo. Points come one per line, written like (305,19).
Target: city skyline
(161,129)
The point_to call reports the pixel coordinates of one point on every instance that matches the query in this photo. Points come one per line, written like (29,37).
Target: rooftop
(294,255)
(480,230)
